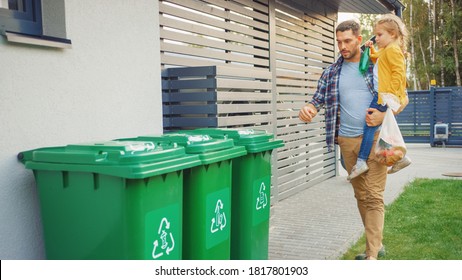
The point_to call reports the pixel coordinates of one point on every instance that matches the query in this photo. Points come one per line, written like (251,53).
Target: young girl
(389,82)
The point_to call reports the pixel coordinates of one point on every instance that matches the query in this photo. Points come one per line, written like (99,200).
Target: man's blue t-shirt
(355,99)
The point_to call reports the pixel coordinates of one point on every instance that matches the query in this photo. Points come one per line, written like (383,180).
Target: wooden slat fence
(304,46)
(267,56)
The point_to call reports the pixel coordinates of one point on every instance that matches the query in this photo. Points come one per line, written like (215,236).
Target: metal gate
(430,108)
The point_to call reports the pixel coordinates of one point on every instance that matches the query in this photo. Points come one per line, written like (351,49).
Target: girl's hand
(369,44)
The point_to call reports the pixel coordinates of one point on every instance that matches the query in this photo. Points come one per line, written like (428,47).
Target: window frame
(28,21)
(26,25)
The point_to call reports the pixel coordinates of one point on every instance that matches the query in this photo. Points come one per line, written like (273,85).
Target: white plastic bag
(390,100)
(390,146)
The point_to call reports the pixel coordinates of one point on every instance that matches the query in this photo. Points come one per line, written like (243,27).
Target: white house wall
(107,86)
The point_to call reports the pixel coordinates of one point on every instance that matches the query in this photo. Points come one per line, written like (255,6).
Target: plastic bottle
(364,61)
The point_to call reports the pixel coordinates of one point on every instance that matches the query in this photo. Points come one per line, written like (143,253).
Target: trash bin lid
(130,159)
(208,149)
(255,140)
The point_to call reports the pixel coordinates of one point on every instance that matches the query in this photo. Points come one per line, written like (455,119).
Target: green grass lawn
(424,223)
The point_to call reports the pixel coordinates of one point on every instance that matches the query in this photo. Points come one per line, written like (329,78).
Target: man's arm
(310,110)
(374,117)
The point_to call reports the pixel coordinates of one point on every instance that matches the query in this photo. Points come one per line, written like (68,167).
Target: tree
(455,29)
(435,41)
(412,48)
(440,43)
(367,22)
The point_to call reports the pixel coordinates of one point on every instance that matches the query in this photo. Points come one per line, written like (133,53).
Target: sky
(345,16)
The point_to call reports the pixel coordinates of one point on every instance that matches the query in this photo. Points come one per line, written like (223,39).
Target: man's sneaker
(380,254)
(400,165)
(356,171)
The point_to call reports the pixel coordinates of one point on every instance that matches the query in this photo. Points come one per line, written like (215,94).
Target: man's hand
(374,117)
(307,113)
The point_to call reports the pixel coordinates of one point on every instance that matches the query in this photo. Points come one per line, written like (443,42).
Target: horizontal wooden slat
(301,149)
(202,29)
(314,143)
(218,72)
(255,73)
(206,18)
(261,5)
(169,59)
(312,149)
(241,120)
(294,97)
(291,43)
(292,189)
(219,84)
(301,60)
(302,52)
(301,139)
(289,123)
(313,163)
(250,96)
(304,134)
(211,53)
(294,113)
(303,25)
(301,38)
(302,29)
(314,177)
(295,83)
(286,161)
(311,169)
(300,68)
(306,173)
(200,41)
(292,90)
(243,84)
(238,8)
(196,107)
(283,74)
(314,18)
(243,108)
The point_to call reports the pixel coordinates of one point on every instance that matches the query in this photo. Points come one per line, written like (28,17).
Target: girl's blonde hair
(395,26)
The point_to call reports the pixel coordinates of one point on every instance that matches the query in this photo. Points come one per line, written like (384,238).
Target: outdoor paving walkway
(322,222)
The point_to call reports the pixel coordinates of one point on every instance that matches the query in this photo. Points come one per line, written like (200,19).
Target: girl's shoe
(357,170)
(406,161)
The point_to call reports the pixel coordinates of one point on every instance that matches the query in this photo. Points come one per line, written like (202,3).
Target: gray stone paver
(322,222)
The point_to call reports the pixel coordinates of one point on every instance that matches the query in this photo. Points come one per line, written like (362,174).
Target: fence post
(432,115)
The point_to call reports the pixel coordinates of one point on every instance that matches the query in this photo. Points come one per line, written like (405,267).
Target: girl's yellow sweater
(392,71)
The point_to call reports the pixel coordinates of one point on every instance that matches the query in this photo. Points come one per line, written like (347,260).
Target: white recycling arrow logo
(167,241)
(262,199)
(219,221)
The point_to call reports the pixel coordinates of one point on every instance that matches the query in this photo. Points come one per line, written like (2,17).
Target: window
(21,16)
(21,22)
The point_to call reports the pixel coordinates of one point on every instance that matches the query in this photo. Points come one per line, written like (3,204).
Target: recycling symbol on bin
(219,221)
(166,239)
(262,199)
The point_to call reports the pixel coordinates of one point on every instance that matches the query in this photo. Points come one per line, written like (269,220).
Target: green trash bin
(111,200)
(251,191)
(207,194)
